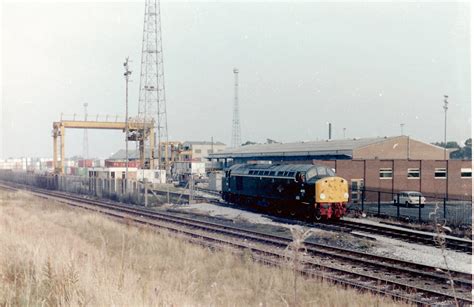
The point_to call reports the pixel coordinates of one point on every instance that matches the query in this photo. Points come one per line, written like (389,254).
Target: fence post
(363,197)
(146,191)
(419,208)
(398,205)
(444,207)
(378,203)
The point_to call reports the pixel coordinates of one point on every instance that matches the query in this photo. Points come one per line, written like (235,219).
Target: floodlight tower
(152,99)
(85,138)
(445,107)
(236,141)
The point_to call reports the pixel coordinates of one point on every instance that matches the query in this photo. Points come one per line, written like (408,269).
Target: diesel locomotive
(311,191)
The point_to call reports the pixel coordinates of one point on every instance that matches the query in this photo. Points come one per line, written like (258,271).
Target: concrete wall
(401,147)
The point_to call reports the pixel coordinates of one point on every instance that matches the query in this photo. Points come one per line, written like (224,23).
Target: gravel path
(427,255)
(230,213)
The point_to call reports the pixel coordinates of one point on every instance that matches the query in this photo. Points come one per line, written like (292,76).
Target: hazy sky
(365,66)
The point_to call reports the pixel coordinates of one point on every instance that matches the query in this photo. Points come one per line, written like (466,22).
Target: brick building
(435,178)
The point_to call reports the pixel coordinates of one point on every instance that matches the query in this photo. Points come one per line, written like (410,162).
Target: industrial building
(389,164)
(398,147)
(200,150)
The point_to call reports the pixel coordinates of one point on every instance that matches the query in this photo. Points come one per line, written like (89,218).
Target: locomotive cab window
(299,177)
(311,173)
(322,171)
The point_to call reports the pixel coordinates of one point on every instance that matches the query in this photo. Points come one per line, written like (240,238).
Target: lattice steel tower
(152,99)
(85,139)
(236,141)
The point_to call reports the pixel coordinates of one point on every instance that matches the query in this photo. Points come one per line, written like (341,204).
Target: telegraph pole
(401,128)
(85,140)
(127,74)
(445,107)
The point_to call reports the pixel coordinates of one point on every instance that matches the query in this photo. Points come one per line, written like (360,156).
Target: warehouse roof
(327,147)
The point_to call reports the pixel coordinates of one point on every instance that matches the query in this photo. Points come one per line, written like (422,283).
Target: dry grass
(51,255)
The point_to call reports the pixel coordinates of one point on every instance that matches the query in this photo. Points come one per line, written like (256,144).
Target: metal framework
(135,127)
(236,141)
(152,98)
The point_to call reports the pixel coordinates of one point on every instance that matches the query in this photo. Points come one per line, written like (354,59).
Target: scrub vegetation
(52,255)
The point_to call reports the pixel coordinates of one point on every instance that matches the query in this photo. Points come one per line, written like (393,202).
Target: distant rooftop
(203,143)
(326,147)
(132,154)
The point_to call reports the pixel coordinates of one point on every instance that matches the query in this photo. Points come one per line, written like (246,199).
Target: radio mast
(152,98)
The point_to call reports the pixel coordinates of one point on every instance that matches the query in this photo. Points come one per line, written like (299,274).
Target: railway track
(408,235)
(413,236)
(407,281)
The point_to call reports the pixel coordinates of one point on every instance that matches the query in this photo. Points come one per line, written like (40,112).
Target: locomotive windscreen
(320,171)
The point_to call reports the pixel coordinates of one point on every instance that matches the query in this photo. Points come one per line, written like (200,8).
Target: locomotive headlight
(322,196)
(346,195)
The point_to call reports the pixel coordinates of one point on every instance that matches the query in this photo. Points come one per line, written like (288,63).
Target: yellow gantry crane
(139,130)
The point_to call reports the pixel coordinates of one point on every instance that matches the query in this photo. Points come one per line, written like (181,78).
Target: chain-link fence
(414,206)
(116,189)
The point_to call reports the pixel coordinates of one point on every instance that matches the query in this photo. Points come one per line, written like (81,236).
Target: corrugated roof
(328,147)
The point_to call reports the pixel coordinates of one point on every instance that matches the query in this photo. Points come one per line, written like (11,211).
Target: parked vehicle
(409,198)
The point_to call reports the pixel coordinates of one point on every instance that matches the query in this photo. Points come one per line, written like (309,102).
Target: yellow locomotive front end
(332,195)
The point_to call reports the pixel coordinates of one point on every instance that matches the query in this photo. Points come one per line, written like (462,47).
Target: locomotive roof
(245,168)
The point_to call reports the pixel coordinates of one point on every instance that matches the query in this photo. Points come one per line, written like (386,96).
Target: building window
(385,173)
(197,150)
(413,173)
(440,173)
(466,173)
(209,151)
